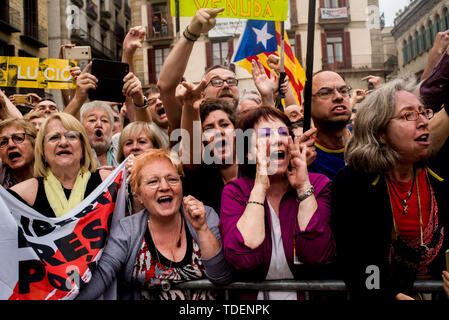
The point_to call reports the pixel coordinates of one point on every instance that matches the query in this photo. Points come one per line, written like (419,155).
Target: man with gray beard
(97,119)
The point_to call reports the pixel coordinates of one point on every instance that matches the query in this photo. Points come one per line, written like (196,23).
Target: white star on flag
(262,35)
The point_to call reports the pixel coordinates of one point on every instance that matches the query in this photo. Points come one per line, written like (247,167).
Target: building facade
(415,29)
(100,24)
(349,39)
(23,32)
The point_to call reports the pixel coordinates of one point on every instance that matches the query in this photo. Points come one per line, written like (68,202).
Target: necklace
(177,243)
(423,248)
(404,202)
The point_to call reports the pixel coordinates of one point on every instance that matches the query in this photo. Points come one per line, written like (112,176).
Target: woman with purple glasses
(277,216)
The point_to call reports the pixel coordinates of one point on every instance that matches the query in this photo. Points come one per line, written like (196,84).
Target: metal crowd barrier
(307,286)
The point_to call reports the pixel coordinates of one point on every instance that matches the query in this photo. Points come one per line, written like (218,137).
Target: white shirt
(279,268)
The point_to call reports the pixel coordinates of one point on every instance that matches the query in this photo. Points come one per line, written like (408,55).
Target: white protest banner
(51,258)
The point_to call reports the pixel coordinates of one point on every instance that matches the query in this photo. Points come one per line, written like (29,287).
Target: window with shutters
(417,44)
(432,32)
(422,38)
(334,46)
(156,57)
(30,18)
(160,23)
(411,50)
(335,3)
(219,51)
(405,52)
(6,49)
(160,55)
(438,26)
(336,50)
(429,40)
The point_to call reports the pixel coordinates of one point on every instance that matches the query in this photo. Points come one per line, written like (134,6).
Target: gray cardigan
(123,246)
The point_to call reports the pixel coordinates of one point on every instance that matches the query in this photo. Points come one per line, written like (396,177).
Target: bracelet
(255,202)
(194,36)
(189,36)
(185,36)
(306,194)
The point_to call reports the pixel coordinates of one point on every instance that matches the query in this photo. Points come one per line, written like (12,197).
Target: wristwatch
(145,103)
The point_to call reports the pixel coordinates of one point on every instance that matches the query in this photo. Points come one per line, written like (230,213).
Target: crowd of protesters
(359,189)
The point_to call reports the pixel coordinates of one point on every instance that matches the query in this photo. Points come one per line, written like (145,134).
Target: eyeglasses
(70,136)
(217,82)
(325,93)
(266,132)
(414,115)
(153,100)
(17,138)
(155,181)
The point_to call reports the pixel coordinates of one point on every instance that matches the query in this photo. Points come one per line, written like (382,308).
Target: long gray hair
(366,150)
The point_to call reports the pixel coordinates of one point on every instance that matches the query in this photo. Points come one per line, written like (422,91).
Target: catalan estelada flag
(263,38)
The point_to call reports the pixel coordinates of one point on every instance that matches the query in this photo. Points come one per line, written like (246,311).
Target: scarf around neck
(56,196)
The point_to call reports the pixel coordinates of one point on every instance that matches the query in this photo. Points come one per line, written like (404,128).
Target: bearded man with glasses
(221,84)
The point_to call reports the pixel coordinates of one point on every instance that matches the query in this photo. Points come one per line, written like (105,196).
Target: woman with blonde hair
(173,239)
(389,204)
(35,118)
(136,138)
(65,170)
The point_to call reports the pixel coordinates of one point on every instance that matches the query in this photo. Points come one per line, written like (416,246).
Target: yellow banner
(273,10)
(40,73)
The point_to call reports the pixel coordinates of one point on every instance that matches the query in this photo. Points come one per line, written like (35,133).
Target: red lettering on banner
(55,274)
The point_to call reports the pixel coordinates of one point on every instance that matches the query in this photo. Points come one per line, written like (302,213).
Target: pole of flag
(177,23)
(282,73)
(309,65)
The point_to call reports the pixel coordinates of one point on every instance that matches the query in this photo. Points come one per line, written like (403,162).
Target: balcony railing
(334,15)
(82,37)
(433,287)
(34,35)
(165,33)
(105,24)
(9,19)
(127,10)
(119,30)
(92,9)
(79,3)
(368,61)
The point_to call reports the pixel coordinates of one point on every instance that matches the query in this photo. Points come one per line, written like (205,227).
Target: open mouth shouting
(165,201)
(63,152)
(13,156)
(423,139)
(340,109)
(98,133)
(160,111)
(278,155)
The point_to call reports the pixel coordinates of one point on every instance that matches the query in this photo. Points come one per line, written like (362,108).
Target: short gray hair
(366,151)
(97,104)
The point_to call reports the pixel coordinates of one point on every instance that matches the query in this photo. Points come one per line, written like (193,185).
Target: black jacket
(362,222)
